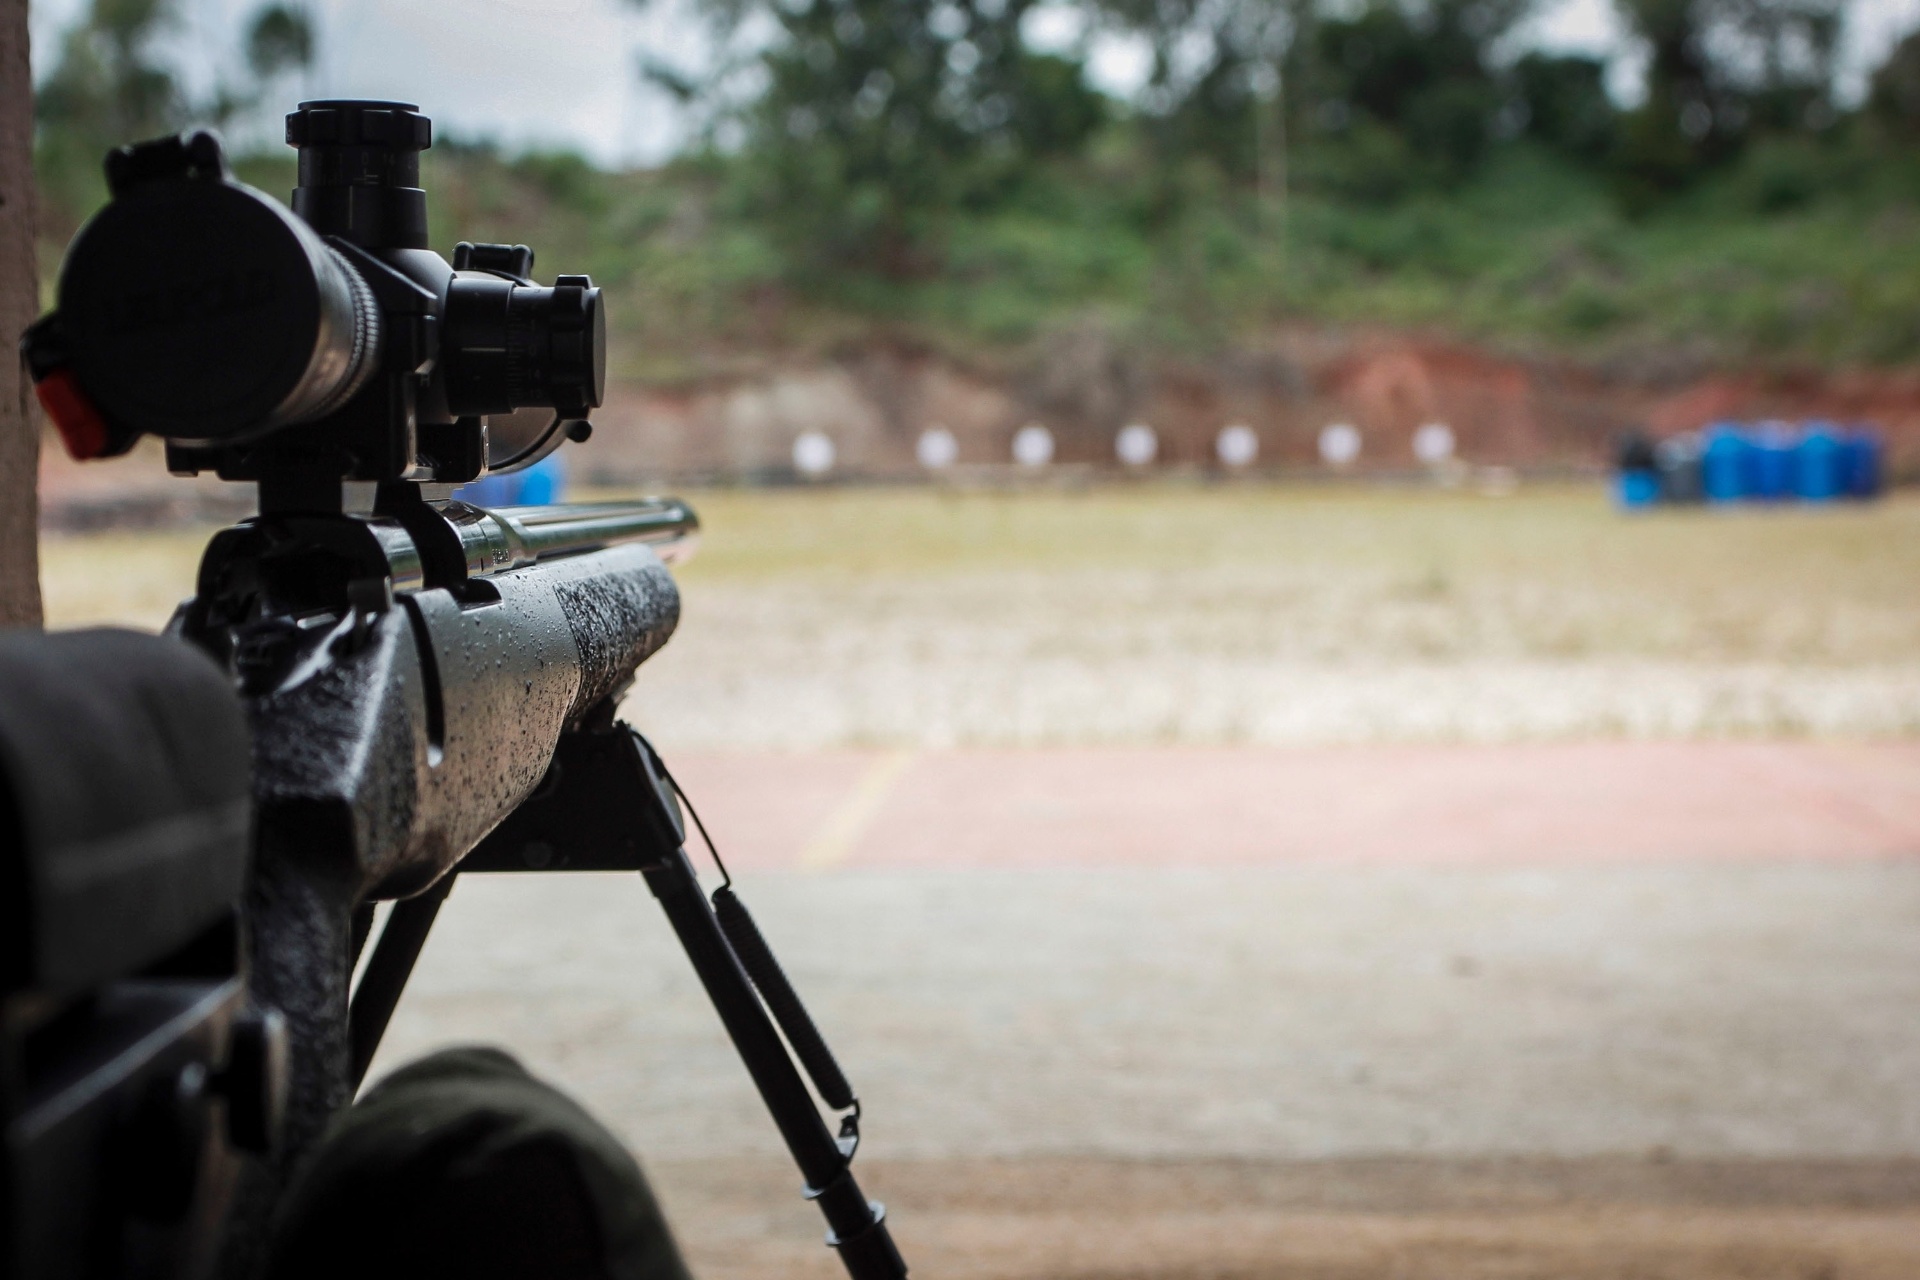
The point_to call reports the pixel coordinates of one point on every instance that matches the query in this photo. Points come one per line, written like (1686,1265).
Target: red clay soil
(1528,804)
(1535,414)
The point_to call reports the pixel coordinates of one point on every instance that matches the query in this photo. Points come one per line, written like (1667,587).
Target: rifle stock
(405,693)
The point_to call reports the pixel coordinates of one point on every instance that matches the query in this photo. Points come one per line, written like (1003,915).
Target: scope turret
(360,171)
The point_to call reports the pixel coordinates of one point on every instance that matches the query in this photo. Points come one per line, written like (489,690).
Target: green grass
(1233,614)
(1798,254)
(1549,572)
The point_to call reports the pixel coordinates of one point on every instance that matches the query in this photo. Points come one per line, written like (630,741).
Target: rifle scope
(195,308)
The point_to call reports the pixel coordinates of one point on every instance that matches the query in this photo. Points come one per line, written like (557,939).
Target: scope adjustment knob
(346,122)
(576,347)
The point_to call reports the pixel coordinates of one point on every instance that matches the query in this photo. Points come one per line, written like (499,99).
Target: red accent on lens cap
(81,426)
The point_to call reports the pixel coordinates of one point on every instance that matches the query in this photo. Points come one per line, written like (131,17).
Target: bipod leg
(607,805)
(388,968)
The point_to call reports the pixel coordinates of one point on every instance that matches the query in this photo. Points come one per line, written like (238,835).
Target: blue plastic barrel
(1774,444)
(1726,469)
(489,491)
(1862,462)
(543,482)
(1637,488)
(1818,464)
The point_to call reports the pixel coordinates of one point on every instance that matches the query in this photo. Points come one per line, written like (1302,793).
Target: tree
(1566,103)
(1397,94)
(1893,98)
(111,85)
(877,118)
(1426,74)
(1718,71)
(19,300)
(108,87)
(279,40)
(1214,65)
(1392,91)
(1779,57)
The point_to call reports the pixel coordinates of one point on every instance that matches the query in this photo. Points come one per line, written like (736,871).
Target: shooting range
(991,641)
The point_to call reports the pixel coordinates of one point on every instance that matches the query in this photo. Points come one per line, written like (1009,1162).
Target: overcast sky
(547,72)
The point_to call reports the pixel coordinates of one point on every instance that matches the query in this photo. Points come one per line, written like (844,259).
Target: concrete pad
(1705,1010)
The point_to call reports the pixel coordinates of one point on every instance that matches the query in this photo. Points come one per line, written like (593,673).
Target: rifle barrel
(501,539)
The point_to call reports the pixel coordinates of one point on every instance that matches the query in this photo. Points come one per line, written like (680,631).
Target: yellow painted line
(836,838)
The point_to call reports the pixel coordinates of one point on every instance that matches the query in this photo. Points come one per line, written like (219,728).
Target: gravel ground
(1251,616)
(1282,616)
(1113,657)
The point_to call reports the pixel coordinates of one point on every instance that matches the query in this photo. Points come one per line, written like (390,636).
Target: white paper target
(1136,444)
(1339,444)
(1236,445)
(1433,443)
(1033,445)
(937,448)
(813,453)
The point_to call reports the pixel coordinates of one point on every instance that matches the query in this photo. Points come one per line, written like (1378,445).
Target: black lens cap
(192,308)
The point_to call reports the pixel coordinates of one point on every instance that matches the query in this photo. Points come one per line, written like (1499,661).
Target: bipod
(609,804)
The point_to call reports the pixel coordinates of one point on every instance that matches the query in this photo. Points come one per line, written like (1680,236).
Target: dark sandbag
(463,1165)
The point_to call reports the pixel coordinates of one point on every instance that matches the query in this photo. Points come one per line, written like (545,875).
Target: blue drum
(1819,464)
(543,482)
(1773,446)
(1862,462)
(1727,464)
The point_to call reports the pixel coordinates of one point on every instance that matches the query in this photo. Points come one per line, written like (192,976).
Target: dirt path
(1382,1219)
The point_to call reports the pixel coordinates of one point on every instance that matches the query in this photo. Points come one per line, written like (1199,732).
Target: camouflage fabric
(464,1165)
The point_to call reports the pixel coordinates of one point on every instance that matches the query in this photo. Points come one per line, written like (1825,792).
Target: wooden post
(19,302)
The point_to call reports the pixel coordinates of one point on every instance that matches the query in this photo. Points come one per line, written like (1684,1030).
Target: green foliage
(1663,146)
(880,118)
(279,40)
(110,87)
(108,83)
(1213,70)
(1893,100)
(1784,174)
(1530,251)
(1365,162)
(1422,74)
(107,87)
(910,167)
(1565,104)
(1720,73)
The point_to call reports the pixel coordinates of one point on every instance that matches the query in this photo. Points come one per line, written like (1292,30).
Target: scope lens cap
(192,308)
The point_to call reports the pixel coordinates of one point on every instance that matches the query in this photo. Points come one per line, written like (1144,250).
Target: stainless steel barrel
(507,538)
